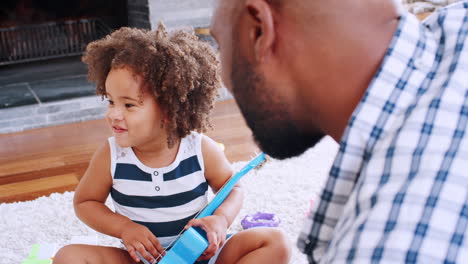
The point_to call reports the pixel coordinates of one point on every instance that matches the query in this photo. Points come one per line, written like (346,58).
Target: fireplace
(32,30)
(42,79)
(41,43)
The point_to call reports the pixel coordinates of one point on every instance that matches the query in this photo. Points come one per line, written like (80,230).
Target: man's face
(266,112)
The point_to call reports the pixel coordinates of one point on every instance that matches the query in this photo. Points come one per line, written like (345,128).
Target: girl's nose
(114,114)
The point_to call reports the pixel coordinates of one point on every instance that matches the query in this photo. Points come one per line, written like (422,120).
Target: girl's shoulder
(192,142)
(203,144)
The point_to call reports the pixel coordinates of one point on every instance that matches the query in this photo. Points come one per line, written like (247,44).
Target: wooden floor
(42,161)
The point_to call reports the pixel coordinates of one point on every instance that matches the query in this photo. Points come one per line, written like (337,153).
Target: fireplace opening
(42,41)
(33,30)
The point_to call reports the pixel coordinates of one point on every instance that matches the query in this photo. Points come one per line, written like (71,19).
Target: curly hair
(181,71)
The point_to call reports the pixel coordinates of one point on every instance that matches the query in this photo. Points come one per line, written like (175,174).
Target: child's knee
(67,254)
(279,243)
(274,241)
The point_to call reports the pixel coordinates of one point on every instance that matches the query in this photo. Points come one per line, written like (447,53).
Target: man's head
(261,100)
(286,64)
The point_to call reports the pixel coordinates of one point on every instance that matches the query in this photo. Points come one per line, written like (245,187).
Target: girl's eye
(110,102)
(129,105)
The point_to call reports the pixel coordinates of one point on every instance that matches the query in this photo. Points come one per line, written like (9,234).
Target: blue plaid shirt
(398,189)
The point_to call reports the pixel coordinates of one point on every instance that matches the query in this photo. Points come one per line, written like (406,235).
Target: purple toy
(260,219)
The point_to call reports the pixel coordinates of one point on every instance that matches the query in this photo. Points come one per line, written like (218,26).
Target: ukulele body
(187,249)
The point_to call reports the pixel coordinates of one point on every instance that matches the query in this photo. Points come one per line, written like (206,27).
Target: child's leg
(256,245)
(81,254)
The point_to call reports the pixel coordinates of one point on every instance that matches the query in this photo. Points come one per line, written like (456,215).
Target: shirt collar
(394,87)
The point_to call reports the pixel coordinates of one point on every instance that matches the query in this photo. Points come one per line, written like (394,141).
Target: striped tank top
(162,199)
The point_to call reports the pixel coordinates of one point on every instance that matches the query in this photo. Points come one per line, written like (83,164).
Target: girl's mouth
(118,129)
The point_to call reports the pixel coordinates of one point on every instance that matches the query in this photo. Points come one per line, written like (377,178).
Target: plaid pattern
(398,189)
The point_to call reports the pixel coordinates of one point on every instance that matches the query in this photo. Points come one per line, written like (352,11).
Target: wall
(180,13)
(138,14)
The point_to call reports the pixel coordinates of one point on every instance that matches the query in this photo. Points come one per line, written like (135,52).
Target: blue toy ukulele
(193,242)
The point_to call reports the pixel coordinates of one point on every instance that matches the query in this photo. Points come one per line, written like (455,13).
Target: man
(392,91)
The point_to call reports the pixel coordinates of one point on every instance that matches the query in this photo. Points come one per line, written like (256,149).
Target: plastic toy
(41,254)
(259,220)
(193,242)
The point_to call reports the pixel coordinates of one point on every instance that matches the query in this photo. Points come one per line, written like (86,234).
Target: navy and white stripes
(162,199)
(398,189)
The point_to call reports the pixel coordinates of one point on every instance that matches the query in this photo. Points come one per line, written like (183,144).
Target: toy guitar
(193,242)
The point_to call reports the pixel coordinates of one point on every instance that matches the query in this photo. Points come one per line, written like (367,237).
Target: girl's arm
(92,192)
(89,203)
(217,172)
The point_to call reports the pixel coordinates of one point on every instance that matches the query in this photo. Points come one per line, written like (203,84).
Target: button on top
(155,173)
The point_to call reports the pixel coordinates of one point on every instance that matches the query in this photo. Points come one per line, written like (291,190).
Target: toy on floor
(44,253)
(41,254)
(260,220)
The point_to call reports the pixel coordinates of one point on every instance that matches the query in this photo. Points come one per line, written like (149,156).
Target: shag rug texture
(285,188)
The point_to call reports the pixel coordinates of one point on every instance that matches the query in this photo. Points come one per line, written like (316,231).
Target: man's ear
(262,29)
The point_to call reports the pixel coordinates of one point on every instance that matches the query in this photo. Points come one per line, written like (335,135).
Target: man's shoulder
(427,136)
(451,16)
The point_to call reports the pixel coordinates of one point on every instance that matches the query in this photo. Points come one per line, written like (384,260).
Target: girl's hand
(139,238)
(215,227)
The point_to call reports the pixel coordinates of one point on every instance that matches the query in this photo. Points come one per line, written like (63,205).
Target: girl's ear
(164,121)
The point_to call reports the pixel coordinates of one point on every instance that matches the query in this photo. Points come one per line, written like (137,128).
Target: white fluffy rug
(281,187)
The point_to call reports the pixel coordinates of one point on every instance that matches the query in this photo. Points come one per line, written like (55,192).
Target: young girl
(157,169)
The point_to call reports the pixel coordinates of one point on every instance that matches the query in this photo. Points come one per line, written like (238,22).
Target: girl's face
(133,113)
